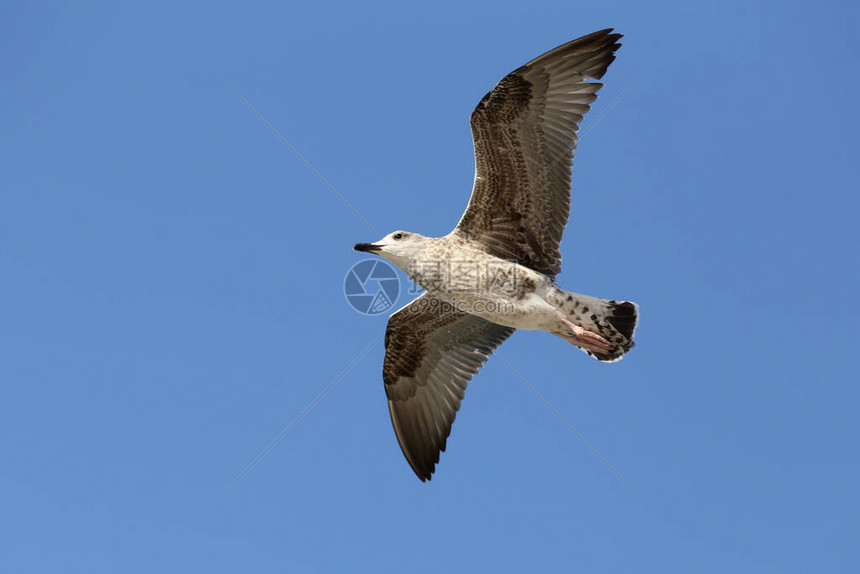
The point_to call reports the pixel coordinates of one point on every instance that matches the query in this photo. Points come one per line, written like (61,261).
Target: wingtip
(424,475)
(612,37)
(609,33)
(598,47)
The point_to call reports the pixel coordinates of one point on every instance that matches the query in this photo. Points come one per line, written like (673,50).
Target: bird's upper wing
(431,353)
(524,132)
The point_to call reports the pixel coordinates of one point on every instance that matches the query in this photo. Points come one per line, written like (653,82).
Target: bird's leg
(585,339)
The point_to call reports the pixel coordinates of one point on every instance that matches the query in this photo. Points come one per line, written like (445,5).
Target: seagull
(495,272)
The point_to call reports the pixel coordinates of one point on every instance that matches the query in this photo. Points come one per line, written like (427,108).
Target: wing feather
(524,133)
(431,354)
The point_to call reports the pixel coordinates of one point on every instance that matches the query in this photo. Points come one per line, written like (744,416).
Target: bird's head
(399,247)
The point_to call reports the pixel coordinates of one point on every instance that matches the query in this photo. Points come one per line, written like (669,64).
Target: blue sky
(172,291)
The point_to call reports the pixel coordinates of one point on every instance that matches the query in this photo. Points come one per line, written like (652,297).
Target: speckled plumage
(495,272)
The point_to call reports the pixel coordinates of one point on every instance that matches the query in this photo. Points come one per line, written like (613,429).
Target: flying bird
(495,272)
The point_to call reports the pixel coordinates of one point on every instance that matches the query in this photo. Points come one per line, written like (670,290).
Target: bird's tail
(615,321)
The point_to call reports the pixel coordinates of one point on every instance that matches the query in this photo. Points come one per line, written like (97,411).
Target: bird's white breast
(478,283)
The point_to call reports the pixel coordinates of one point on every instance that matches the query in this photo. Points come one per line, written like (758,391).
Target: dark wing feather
(524,133)
(431,353)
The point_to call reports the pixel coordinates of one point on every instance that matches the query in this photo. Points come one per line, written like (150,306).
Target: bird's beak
(368,247)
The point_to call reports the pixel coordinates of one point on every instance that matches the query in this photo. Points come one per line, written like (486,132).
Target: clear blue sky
(172,292)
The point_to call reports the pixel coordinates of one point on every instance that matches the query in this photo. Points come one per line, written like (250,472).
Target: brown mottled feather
(431,354)
(524,133)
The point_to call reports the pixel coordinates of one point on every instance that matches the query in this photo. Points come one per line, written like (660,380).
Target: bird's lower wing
(431,353)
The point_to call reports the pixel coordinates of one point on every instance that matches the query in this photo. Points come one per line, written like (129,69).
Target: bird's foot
(585,339)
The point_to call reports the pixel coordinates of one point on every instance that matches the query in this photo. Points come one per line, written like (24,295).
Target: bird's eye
(398,236)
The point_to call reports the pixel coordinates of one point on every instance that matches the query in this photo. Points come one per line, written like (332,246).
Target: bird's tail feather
(613,320)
